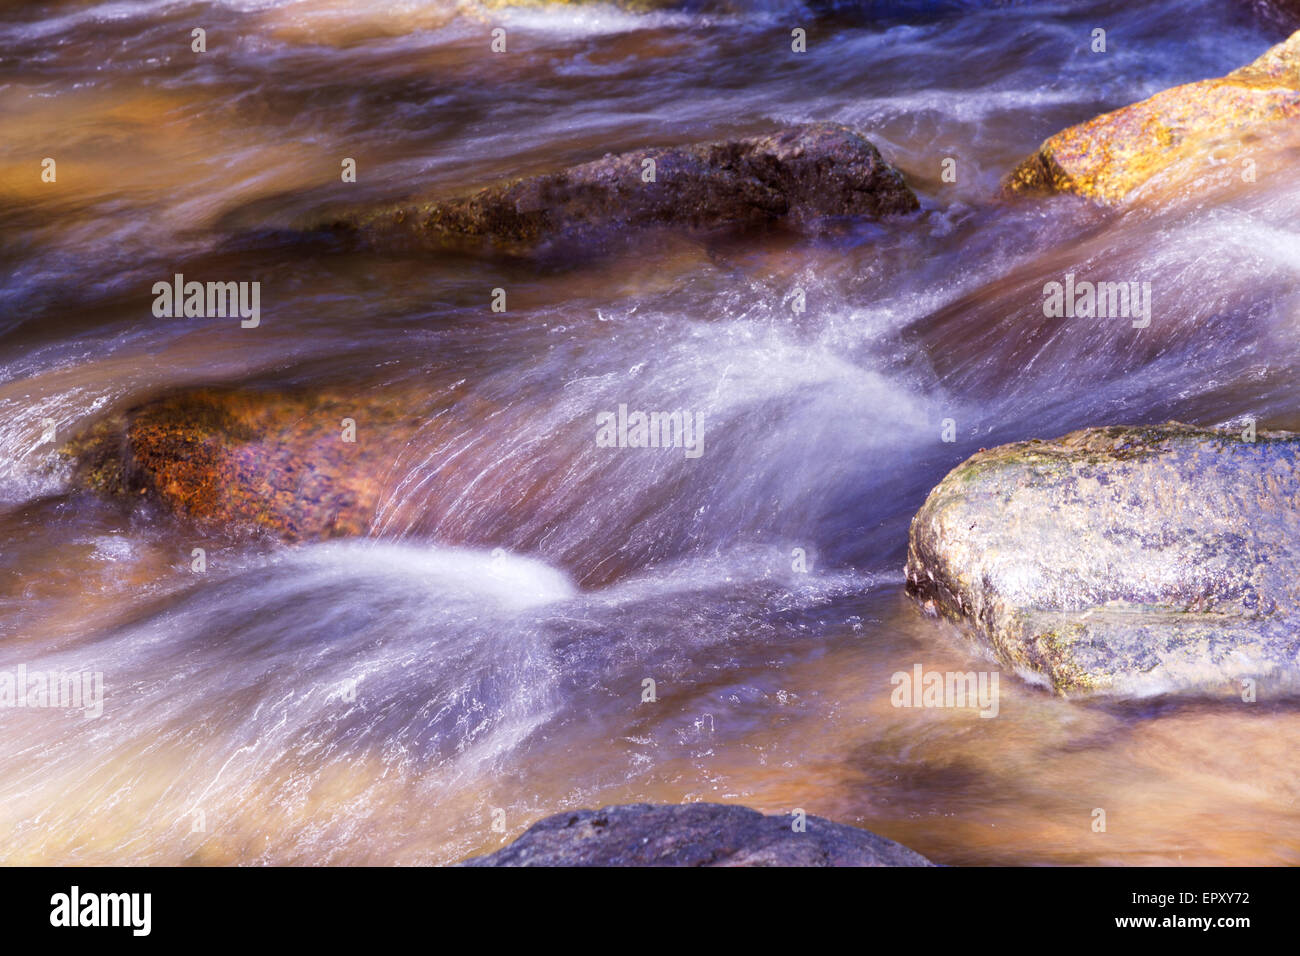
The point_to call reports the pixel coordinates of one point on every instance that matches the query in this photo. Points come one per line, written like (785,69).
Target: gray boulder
(694,834)
(1129,560)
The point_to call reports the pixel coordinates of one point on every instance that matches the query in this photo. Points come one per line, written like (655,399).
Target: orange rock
(1110,156)
(251,460)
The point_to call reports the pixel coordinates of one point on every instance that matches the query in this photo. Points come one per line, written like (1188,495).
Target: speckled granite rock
(694,834)
(1127,559)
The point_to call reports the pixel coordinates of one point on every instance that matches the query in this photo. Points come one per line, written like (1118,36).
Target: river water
(479,658)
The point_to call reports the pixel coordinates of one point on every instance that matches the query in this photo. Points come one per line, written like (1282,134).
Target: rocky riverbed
(663,412)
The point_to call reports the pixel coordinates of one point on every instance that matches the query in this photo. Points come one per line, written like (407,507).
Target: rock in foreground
(1127,560)
(694,834)
(797,175)
(1110,156)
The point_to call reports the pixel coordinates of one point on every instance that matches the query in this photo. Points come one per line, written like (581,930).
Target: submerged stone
(299,465)
(798,175)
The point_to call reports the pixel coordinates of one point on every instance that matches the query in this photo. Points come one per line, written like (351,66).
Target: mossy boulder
(1109,157)
(1129,560)
(695,834)
(798,176)
(251,460)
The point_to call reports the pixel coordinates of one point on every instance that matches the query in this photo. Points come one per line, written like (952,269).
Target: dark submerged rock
(694,834)
(1126,560)
(797,176)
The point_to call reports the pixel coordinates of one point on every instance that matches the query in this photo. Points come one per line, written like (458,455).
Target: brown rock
(252,460)
(797,175)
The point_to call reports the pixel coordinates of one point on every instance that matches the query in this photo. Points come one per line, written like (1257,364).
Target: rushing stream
(484,649)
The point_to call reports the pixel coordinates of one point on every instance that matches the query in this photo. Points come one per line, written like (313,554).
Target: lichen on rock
(1125,559)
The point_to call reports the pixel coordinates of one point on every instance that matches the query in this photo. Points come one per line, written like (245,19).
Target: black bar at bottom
(330,906)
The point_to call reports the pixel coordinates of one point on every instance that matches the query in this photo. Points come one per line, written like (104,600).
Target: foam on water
(510,581)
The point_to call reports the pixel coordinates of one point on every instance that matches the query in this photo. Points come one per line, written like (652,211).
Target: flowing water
(480,656)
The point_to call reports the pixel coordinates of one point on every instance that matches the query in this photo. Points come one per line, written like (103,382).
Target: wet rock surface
(1125,559)
(694,834)
(797,176)
(1111,156)
(248,460)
